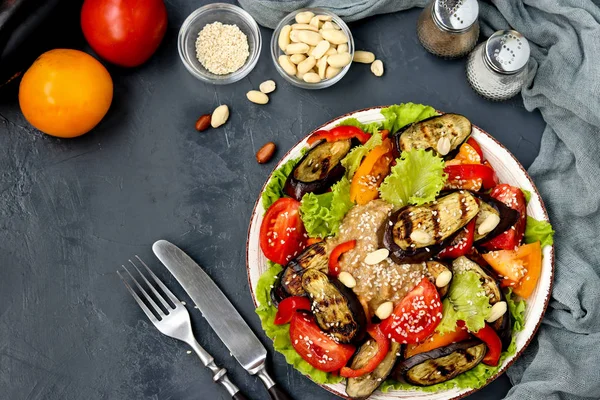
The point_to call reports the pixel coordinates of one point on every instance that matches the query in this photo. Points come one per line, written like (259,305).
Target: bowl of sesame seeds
(219,43)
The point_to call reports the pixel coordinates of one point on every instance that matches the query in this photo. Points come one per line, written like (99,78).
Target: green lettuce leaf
(323,213)
(280,334)
(274,189)
(478,376)
(527,195)
(399,115)
(417,178)
(466,301)
(541,231)
(353,159)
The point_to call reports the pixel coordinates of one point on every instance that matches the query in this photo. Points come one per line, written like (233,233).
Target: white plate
(510,171)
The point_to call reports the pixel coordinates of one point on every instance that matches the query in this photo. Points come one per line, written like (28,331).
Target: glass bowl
(227,14)
(276,51)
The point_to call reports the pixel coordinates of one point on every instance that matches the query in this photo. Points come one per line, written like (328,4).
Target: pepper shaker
(496,68)
(449,28)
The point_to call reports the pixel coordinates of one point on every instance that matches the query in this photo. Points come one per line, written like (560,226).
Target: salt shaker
(496,69)
(449,28)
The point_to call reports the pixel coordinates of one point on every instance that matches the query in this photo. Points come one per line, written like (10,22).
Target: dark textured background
(72,211)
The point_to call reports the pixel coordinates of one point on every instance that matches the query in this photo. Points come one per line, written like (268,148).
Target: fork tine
(158,295)
(138,300)
(157,309)
(171,296)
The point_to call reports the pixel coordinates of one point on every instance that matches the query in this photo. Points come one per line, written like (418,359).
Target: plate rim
(523,170)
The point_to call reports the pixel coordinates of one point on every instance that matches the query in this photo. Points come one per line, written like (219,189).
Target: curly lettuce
(417,178)
(400,115)
(527,195)
(478,376)
(371,128)
(322,214)
(466,301)
(280,334)
(538,231)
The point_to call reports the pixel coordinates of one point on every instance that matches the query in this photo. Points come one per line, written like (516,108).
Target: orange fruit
(65,93)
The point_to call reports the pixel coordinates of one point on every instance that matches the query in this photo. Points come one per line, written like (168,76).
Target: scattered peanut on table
(219,116)
(203,122)
(377,68)
(265,153)
(257,97)
(267,86)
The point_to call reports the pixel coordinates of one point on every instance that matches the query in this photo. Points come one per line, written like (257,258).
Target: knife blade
(221,315)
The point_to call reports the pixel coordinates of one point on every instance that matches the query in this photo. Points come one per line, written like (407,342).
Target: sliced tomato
(519,269)
(339,133)
(315,347)
(371,172)
(436,341)
(492,341)
(466,176)
(334,258)
(383,346)
(282,233)
(468,155)
(288,306)
(416,316)
(511,238)
(473,143)
(462,243)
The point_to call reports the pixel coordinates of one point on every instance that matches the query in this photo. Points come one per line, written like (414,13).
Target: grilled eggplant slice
(360,388)
(491,287)
(336,308)
(487,205)
(435,268)
(440,365)
(427,133)
(319,169)
(312,257)
(436,223)
(277,291)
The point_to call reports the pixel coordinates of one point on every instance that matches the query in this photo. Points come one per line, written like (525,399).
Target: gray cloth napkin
(563,362)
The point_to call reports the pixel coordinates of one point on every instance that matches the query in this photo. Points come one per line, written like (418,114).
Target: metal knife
(219,312)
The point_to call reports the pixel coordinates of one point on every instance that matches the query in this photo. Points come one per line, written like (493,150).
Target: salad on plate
(397,259)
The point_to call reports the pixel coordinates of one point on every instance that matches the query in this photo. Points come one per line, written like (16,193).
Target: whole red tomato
(124,32)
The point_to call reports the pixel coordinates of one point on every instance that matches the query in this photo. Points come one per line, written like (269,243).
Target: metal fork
(175,322)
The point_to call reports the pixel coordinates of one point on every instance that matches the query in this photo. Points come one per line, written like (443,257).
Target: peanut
(443,146)
(219,116)
(265,153)
(384,310)
(342,48)
(365,57)
(307,65)
(347,279)
(294,36)
(257,97)
(311,77)
(297,48)
(339,60)
(203,122)
(377,256)
(315,22)
(377,68)
(328,25)
(309,37)
(267,86)
(334,36)
(322,17)
(297,58)
(330,72)
(301,27)
(304,17)
(443,279)
(321,48)
(488,224)
(288,66)
(332,50)
(284,37)
(322,66)
(420,237)
(498,310)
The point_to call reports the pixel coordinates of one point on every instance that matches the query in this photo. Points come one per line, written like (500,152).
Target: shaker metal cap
(507,52)
(455,15)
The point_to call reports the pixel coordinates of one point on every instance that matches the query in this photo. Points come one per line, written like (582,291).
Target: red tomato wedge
(337,252)
(371,172)
(282,234)
(436,341)
(315,347)
(339,133)
(416,316)
(519,269)
(383,346)
(514,198)
(462,243)
(288,307)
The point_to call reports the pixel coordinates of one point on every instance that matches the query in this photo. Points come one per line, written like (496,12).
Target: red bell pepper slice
(334,258)
(288,306)
(339,133)
(383,346)
(468,172)
(488,335)
(473,143)
(462,243)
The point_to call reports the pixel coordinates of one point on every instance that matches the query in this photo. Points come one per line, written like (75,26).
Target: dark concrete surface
(72,211)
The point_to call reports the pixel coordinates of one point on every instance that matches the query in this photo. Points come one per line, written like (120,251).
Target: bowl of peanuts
(312,48)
